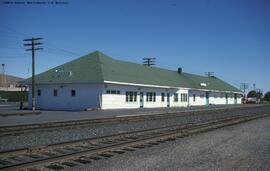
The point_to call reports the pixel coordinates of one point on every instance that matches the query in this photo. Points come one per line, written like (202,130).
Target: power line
(15,31)
(47,43)
(11,48)
(10,56)
(50,46)
(10,36)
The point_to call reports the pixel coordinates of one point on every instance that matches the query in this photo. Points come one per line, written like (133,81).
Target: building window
(150,96)
(162,97)
(183,97)
(194,97)
(113,91)
(201,96)
(39,92)
(131,96)
(55,93)
(73,93)
(175,97)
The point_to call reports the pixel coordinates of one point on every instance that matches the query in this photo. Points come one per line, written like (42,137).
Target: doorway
(168,99)
(141,99)
(235,98)
(207,98)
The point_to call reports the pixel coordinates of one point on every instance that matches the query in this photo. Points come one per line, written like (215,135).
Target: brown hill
(9,80)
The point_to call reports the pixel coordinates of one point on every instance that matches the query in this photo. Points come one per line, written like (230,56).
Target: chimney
(179,70)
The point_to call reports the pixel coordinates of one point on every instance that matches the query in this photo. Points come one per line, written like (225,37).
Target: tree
(252,94)
(255,94)
(259,95)
(267,96)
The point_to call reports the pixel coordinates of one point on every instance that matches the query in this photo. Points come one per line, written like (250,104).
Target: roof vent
(62,73)
(179,70)
(203,84)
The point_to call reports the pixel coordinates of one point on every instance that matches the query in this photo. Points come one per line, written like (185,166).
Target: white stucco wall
(199,98)
(95,96)
(239,99)
(112,101)
(179,103)
(217,98)
(87,96)
(230,98)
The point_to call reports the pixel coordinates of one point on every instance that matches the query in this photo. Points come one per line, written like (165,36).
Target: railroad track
(70,154)
(29,128)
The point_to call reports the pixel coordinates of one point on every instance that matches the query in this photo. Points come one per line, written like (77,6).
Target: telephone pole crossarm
(149,61)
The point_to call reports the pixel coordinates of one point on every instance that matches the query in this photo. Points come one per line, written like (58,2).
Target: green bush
(14,96)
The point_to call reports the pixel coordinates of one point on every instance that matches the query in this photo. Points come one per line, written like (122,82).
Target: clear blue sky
(229,37)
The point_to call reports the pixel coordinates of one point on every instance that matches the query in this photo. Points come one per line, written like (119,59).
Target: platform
(55,116)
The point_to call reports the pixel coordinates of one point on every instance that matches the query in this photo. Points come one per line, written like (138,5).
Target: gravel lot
(62,135)
(240,147)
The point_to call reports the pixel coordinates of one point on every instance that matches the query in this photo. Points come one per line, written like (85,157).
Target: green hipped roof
(97,67)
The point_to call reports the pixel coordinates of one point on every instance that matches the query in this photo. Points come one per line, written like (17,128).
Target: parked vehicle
(250,100)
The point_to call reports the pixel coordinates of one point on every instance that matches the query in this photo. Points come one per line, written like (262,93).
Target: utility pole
(209,74)
(244,86)
(33,43)
(4,78)
(149,61)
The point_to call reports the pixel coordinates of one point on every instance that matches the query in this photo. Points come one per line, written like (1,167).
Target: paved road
(53,116)
(241,147)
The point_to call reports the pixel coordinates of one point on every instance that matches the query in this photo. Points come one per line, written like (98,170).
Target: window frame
(112,91)
(183,97)
(131,96)
(175,97)
(150,96)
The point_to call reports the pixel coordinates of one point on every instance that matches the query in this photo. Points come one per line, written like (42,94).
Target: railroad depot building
(98,81)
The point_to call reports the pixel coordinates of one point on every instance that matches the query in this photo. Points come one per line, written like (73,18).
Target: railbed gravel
(68,134)
(242,147)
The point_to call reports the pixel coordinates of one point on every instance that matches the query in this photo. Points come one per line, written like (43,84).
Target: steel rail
(164,134)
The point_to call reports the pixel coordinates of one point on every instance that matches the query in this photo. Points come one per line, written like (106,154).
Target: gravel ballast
(63,135)
(244,147)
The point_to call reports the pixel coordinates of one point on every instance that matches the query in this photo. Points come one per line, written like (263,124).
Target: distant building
(9,83)
(99,81)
